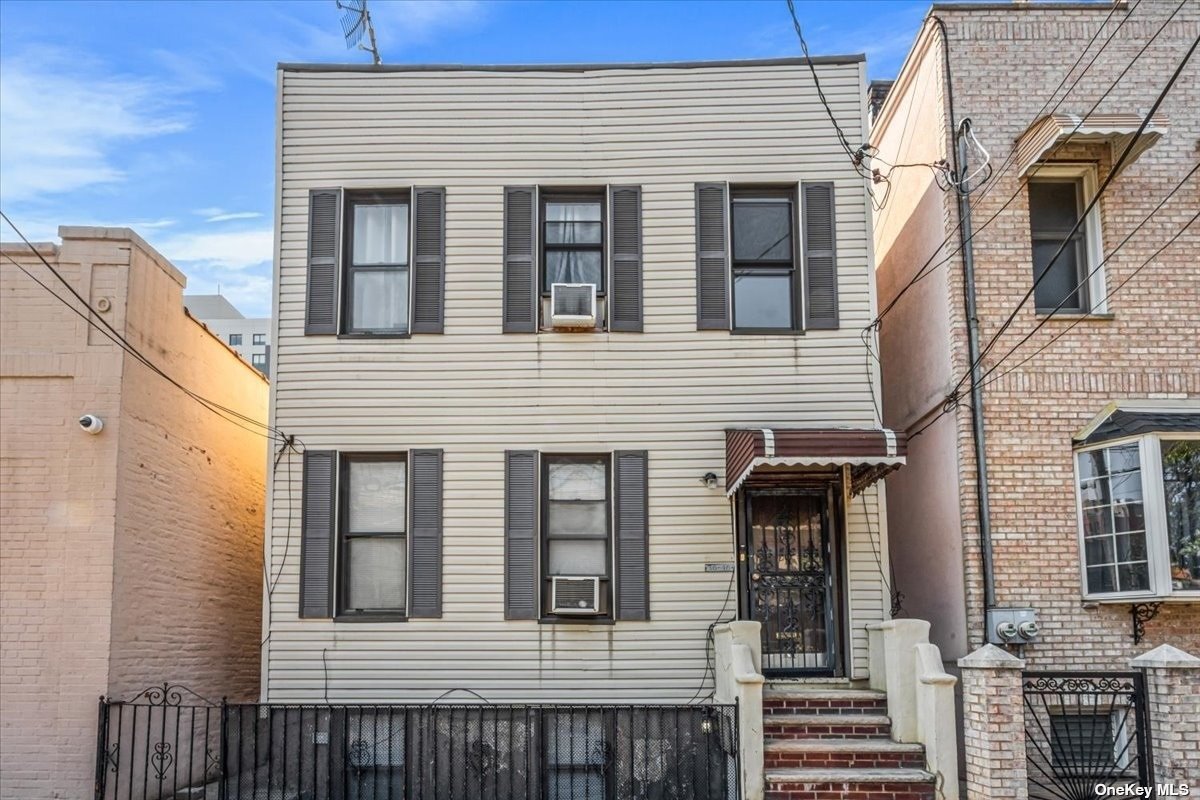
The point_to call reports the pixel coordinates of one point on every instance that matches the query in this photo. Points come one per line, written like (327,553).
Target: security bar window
(765,284)
(373,555)
(377,283)
(1139,505)
(572,240)
(576,519)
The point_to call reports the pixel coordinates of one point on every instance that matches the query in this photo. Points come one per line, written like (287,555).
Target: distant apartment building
(249,336)
(132,515)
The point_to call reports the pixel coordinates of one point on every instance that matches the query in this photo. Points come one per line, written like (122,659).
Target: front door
(789,581)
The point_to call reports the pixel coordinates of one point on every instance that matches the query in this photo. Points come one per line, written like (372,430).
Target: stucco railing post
(739,677)
(936,724)
(994,725)
(1173,694)
(900,637)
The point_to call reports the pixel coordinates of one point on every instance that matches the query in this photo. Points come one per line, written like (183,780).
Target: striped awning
(1115,129)
(871,453)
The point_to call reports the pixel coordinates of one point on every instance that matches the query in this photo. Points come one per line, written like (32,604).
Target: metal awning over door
(870,453)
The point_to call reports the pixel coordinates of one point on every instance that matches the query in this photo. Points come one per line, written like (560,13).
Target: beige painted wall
(129,557)
(475,391)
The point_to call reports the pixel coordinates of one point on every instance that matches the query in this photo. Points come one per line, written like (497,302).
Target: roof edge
(853,58)
(1025,5)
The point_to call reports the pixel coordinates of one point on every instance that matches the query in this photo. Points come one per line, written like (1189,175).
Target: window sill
(765,332)
(1077,315)
(576,621)
(374,336)
(370,618)
(1174,597)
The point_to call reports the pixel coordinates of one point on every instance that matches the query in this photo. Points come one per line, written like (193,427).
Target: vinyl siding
(476,392)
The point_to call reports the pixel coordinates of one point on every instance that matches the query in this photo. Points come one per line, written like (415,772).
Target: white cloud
(227,216)
(63,124)
(408,22)
(227,251)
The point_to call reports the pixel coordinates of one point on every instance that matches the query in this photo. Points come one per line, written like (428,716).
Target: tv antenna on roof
(356,20)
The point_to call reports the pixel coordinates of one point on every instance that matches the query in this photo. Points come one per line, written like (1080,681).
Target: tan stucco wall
(165,494)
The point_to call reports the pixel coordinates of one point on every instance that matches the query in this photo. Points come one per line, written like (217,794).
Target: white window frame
(1097,286)
(1158,549)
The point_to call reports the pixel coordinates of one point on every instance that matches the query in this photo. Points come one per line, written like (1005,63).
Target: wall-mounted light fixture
(709,480)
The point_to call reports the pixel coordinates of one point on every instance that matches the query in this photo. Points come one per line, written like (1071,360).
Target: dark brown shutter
(520,260)
(429,260)
(320,312)
(712,257)
(632,513)
(317,536)
(425,534)
(625,280)
(520,534)
(820,255)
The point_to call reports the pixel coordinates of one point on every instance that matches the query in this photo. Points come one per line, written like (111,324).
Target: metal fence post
(223,751)
(101,747)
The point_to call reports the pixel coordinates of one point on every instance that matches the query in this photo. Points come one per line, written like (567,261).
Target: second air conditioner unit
(573,305)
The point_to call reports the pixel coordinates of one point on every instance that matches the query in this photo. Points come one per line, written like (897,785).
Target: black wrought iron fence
(1084,730)
(156,747)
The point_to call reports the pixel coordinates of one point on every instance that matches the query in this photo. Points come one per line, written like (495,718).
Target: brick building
(134,555)
(1090,428)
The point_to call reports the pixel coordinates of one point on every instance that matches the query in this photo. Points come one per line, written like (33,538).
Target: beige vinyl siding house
(474,392)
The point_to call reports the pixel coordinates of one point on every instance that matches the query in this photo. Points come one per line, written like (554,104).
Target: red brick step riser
(874,790)
(834,759)
(846,707)
(781,729)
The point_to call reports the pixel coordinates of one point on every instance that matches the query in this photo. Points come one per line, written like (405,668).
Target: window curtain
(572,223)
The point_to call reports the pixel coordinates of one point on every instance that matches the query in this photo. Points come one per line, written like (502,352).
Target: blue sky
(160,116)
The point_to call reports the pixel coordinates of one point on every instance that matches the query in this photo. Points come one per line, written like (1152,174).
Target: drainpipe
(959,154)
(981,472)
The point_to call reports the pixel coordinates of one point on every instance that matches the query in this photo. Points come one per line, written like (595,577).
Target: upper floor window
(1140,516)
(1072,281)
(259,339)
(572,240)
(259,360)
(373,552)
(766,287)
(235,340)
(377,283)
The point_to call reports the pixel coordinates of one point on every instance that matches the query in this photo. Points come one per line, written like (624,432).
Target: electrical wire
(1108,179)
(929,267)
(94,317)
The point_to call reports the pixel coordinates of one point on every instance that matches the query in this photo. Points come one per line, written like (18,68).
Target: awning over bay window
(870,453)
(1114,129)
(1120,420)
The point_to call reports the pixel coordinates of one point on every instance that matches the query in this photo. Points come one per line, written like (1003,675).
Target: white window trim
(1097,286)
(1154,507)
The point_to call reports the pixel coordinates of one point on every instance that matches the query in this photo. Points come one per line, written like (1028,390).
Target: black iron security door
(789,580)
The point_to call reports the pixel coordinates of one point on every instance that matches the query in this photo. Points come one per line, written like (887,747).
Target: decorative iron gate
(168,744)
(1083,730)
(790,580)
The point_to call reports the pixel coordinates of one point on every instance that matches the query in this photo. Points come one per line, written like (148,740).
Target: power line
(926,269)
(93,317)
(1108,179)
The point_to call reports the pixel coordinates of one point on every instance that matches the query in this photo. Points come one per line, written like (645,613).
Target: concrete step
(824,701)
(842,784)
(825,726)
(842,754)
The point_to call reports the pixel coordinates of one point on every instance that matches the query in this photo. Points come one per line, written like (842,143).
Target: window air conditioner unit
(572,595)
(572,305)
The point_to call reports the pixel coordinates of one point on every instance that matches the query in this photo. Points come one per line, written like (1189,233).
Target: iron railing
(1083,730)
(160,746)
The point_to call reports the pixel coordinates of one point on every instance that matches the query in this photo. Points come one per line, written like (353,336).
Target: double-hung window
(766,284)
(572,240)
(373,552)
(1139,504)
(576,522)
(377,280)
(1066,255)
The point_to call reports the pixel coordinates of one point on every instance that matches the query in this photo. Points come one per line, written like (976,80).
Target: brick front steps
(832,743)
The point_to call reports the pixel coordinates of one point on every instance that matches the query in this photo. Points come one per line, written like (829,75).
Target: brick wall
(1006,61)
(170,494)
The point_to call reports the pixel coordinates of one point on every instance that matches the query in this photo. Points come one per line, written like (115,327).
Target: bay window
(1139,507)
